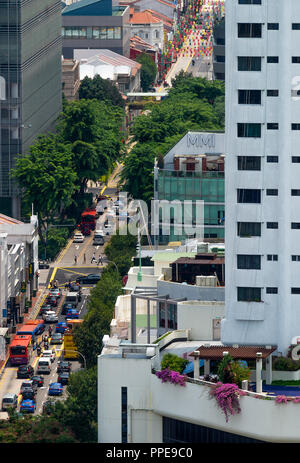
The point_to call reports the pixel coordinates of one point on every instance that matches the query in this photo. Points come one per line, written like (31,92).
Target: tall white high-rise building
(262,230)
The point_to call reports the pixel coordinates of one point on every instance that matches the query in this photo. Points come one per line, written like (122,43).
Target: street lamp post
(112,262)
(76,352)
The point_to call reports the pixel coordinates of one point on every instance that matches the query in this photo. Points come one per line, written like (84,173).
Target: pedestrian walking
(100,261)
(84,258)
(93,258)
(75,259)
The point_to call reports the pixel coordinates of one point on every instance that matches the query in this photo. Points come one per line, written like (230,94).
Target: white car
(50,317)
(55,293)
(49,354)
(78,238)
(108,229)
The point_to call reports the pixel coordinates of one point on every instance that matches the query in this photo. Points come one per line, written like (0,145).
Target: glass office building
(30,67)
(196,175)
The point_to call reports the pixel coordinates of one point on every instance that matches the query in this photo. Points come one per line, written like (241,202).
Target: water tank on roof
(202,247)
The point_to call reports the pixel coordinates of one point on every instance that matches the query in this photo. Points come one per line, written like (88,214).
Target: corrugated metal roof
(9,220)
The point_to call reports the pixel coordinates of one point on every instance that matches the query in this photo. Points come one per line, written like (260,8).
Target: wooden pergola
(257,353)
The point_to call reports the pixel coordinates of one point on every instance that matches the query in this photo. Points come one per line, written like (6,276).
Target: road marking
(78,273)
(103,189)
(85,247)
(52,276)
(61,255)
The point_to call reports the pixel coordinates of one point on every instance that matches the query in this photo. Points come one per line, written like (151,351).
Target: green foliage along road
(193,104)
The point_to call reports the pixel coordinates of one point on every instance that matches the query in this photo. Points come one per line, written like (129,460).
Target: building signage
(200,140)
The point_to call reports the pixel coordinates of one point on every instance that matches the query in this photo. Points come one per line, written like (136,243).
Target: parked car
(55,389)
(91,279)
(72,313)
(43,264)
(25,371)
(38,380)
(66,306)
(61,327)
(78,238)
(28,406)
(9,400)
(57,338)
(63,377)
(50,317)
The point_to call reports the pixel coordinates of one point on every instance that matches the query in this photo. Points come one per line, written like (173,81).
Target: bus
(20,349)
(32,327)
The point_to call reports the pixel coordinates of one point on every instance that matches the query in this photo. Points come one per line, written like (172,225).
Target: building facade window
(272,158)
(124,415)
(271,192)
(249,30)
(249,63)
(97,33)
(248,229)
(249,163)
(272,224)
(272,92)
(272,257)
(272,126)
(245,130)
(249,2)
(245,294)
(272,59)
(272,290)
(248,196)
(248,262)
(249,97)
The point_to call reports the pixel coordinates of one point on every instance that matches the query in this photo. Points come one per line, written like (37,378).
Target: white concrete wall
(149,400)
(135,374)
(276,319)
(198,316)
(123,307)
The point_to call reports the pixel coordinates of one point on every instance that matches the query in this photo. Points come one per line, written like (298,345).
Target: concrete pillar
(133,319)
(148,321)
(258,372)
(196,362)
(166,316)
(206,367)
(269,370)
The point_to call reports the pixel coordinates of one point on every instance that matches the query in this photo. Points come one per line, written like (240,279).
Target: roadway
(63,270)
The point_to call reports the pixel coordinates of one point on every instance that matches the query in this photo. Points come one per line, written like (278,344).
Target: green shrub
(232,371)
(174,363)
(286,364)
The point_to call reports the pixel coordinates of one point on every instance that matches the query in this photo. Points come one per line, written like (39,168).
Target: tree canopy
(101,89)
(193,104)
(148,71)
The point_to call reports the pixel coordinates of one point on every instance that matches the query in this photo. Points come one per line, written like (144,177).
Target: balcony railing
(191,174)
